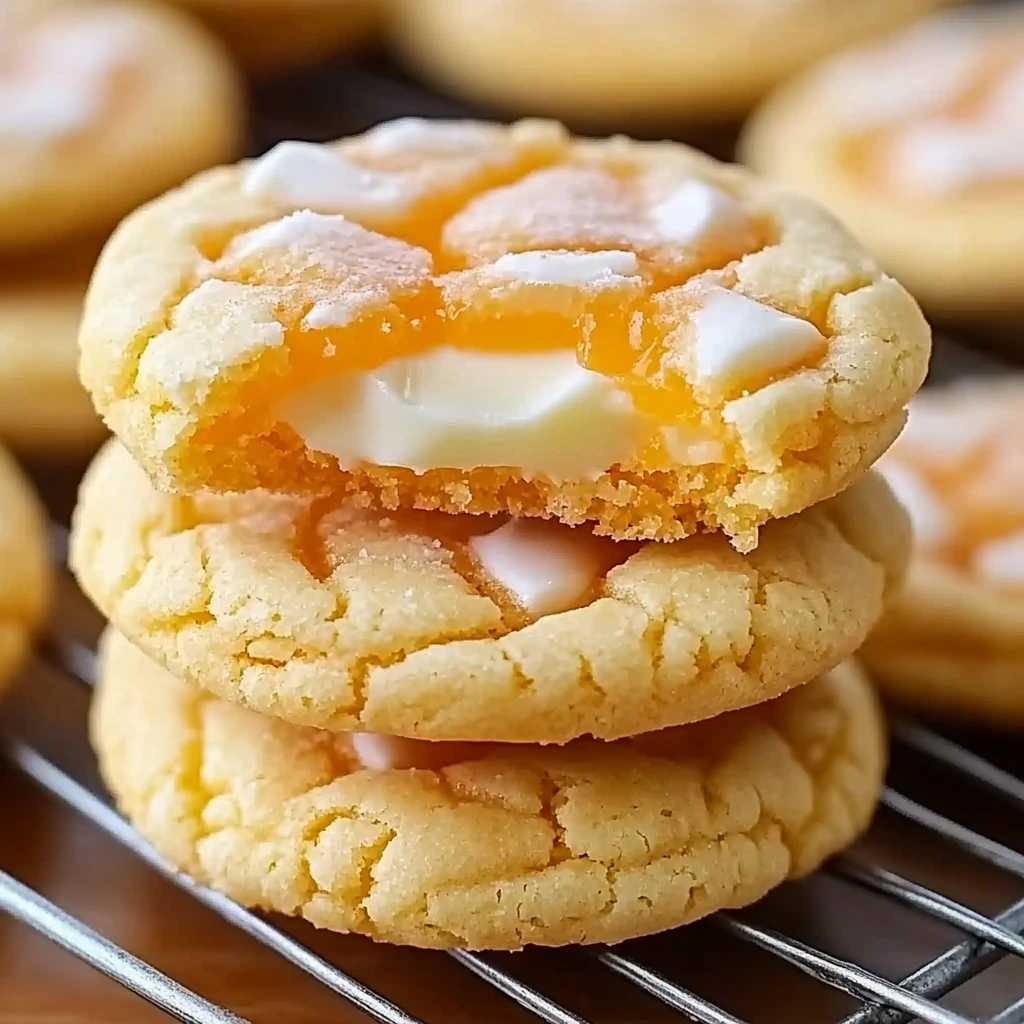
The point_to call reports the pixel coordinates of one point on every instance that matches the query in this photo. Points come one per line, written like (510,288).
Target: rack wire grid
(885,934)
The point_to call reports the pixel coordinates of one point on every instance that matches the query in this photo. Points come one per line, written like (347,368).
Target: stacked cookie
(454,600)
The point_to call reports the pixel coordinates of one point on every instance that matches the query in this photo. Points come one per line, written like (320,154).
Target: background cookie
(327,617)
(271,35)
(916,144)
(24,566)
(635,61)
(728,353)
(103,105)
(587,843)
(953,640)
(44,410)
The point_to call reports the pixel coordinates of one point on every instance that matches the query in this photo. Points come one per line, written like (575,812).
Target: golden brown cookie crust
(25,572)
(956,253)
(191,395)
(642,60)
(385,628)
(526,845)
(177,113)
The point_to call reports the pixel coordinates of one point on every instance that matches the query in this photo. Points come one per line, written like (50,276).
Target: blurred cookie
(918,145)
(494,848)
(44,410)
(461,628)
(631,61)
(274,35)
(953,641)
(483,319)
(103,104)
(24,566)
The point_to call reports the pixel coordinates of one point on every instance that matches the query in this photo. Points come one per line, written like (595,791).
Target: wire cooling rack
(898,898)
(888,933)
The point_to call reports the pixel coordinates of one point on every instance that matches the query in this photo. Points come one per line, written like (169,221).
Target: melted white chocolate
(546,566)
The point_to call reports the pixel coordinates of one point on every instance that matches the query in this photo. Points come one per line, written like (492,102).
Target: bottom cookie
(504,845)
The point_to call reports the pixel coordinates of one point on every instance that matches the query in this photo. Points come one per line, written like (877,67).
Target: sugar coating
(738,338)
(416,134)
(546,567)
(335,618)
(606,269)
(519,845)
(793,414)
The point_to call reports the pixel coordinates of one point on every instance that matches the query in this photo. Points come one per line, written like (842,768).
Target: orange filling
(352,299)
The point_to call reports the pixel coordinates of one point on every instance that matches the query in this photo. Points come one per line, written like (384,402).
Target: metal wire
(847,977)
(883,1001)
(145,981)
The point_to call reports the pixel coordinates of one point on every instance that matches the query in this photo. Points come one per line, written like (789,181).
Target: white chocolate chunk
(697,211)
(691,446)
(607,269)
(304,174)
(739,339)
(304,228)
(546,566)
(343,311)
(418,134)
(1001,561)
(540,413)
(932,521)
(383,753)
(942,437)
(939,157)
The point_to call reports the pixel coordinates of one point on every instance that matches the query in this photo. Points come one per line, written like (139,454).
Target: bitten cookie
(641,60)
(103,104)
(274,35)
(496,848)
(24,567)
(461,628)
(918,145)
(44,410)
(953,641)
(480,319)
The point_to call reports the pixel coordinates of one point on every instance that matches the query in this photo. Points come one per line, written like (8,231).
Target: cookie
(481,319)
(44,410)
(952,643)
(916,144)
(24,567)
(467,628)
(102,106)
(494,847)
(275,35)
(643,60)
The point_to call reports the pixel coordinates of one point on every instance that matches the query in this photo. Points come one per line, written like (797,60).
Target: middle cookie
(476,628)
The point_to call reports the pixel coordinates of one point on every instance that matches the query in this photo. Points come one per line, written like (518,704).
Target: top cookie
(918,144)
(482,319)
(102,106)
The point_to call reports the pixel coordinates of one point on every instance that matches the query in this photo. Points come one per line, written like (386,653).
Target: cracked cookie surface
(518,845)
(339,618)
(952,640)
(24,566)
(759,358)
